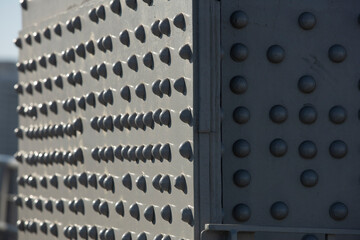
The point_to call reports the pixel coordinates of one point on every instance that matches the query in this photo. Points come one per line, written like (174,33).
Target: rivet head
(24,4)
(107,43)
(242,178)
(115,6)
(241,212)
(308,115)
(279,210)
(92,232)
(70,26)
(185,52)
(126,181)
(100,12)
(239,52)
(179,21)
(155,29)
(18,42)
(104,208)
(241,115)
(126,236)
(185,150)
(239,19)
(134,211)
(166,213)
(142,236)
(309,178)
(338,211)
(117,69)
(278,114)
(186,116)
(54,229)
(57,29)
(338,149)
(278,147)
(124,38)
(93,16)
(109,234)
(164,27)
(77,23)
(238,85)
(309,237)
(90,47)
(131,4)
(165,183)
(80,50)
(119,208)
(307,20)
(133,63)
(37,37)
(307,84)
(187,216)
(337,114)
(140,91)
(148,60)
(141,183)
(275,54)
(83,232)
(241,148)
(140,33)
(307,149)
(337,53)
(165,56)
(149,214)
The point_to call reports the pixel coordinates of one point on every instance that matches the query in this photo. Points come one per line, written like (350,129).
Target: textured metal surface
(107,124)
(289,95)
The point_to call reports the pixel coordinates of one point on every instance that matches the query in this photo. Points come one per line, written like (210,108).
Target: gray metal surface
(291,115)
(189,120)
(156,190)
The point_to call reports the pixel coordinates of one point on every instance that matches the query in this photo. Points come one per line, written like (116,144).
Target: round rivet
(309,178)
(307,149)
(242,178)
(239,19)
(337,53)
(275,54)
(307,21)
(238,85)
(241,115)
(306,84)
(338,211)
(308,115)
(338,149)
(241,212)
(278,147)
(278,114)
(279,210)
(337,114)
(239,52)
(241,148)
(309,237)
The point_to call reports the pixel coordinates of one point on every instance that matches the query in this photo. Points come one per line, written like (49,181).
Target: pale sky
(10,24)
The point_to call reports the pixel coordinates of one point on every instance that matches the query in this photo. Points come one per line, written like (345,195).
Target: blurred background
(10,24)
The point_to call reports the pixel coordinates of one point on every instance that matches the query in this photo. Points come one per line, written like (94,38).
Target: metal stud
(239,19)
(241,212)
(115,6)
(166,213)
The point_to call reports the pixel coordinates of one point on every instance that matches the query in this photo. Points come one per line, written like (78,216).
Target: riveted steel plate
(290,100)
(106,122)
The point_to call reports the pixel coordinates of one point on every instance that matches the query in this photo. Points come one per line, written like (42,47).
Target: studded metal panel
(106,129)
(290,99)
